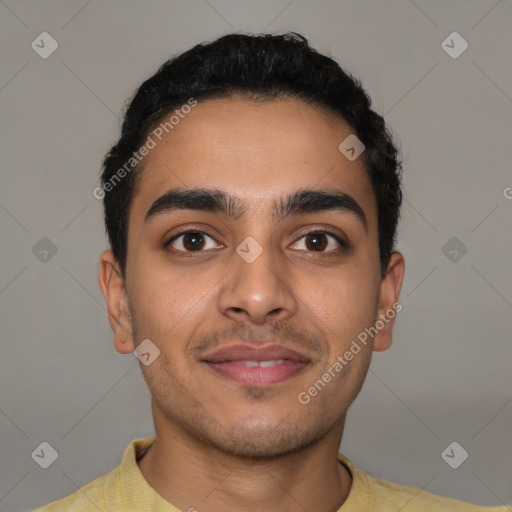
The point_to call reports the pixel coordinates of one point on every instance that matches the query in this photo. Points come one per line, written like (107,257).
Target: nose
(259,291)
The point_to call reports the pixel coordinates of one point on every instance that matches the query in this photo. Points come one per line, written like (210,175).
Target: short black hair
(259,67)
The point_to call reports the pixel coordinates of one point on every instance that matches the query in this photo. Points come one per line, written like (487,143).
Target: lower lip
(257,376)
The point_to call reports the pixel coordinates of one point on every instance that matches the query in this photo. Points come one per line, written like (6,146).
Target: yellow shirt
(126,489)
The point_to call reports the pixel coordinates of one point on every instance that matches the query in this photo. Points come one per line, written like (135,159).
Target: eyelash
(343,244)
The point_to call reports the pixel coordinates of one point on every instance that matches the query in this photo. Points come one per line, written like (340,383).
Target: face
(250,306)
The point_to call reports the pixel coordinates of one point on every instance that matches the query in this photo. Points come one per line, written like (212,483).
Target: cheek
(346,302)
(170,302)
(158,301)
(347,307)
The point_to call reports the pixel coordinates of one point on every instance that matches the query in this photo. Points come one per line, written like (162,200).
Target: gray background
(448,374)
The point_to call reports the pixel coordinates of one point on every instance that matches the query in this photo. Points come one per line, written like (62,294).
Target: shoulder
(108,492)
(89,497)
(370,493)
(410,499)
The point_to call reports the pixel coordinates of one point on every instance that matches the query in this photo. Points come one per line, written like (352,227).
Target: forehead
(258,151)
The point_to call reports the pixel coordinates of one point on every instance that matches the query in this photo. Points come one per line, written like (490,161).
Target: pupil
(318,241)
(194,240)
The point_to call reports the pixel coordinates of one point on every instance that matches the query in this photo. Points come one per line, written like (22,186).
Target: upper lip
(242,352)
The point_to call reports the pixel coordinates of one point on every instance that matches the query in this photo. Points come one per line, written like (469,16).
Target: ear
(113,287)
(388,301)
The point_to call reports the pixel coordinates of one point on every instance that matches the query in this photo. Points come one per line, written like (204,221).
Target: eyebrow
(213,200)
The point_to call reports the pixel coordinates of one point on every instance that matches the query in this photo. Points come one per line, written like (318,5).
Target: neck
(190,475)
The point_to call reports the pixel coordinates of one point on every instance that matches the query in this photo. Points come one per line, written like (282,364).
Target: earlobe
(388,302)
(113,288)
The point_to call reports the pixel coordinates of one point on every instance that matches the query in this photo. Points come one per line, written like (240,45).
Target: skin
(220,445)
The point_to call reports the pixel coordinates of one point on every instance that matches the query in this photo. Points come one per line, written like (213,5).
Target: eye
(197,241)
(190,241)
(317,241)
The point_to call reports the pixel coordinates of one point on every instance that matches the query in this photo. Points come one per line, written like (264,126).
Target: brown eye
(190,241)
(316,242)
(319,241)
(193,241)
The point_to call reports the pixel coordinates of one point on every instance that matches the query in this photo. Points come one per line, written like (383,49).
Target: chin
(264,442)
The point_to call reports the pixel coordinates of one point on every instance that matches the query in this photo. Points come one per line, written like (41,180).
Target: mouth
(256,367)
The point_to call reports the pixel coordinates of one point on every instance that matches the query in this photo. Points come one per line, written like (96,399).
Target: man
(251,205)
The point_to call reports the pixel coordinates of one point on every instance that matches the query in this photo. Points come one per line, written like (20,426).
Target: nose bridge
(255,259)
(257,285)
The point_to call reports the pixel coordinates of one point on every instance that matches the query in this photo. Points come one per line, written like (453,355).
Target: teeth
(262,364)
(266,364)
(249,364)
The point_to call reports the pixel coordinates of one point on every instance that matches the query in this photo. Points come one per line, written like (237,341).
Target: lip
(229,362)
(244,352)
